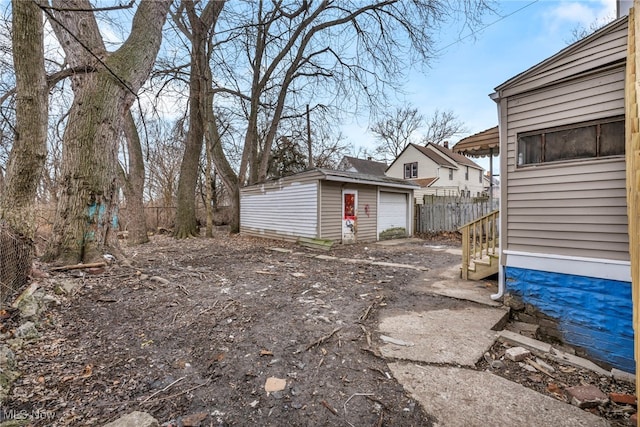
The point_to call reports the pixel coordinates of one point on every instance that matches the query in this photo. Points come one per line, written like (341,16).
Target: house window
(450,174)
(602,138)
(466,173)
(480,177)
(411,170)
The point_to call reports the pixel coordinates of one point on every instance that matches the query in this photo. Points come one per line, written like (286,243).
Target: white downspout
(496,98)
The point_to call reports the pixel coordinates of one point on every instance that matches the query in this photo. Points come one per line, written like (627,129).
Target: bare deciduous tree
(199,29)
(28,152)
(88,196)
(396,130)
(441,126)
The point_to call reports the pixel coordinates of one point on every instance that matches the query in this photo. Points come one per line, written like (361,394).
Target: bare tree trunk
(201,29)
(133,185)
(29,151)
(209,190)
(83,223)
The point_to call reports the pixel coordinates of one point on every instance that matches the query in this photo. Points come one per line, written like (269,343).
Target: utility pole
(309,138)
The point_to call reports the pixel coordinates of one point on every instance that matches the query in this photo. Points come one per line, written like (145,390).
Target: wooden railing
(480,242)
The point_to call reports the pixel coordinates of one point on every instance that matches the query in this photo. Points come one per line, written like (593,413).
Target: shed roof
(350,177)
(481,144)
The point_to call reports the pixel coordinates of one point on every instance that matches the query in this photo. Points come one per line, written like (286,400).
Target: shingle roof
(369,167)
(458,158)
(440,160)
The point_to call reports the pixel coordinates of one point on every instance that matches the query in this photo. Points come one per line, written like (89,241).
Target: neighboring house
(564,239)
(438,171)
(342,206)
(368,166)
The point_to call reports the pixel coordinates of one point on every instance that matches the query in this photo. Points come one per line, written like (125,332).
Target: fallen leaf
(88,370)
(266,353)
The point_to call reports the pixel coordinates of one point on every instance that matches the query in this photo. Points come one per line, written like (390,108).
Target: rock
(193,420)
(497,364)
(50,300)
(623,398)
(527,367)
(545,365)
(28,306)
(514,302)
(27,331)
(517,354)
(7,358)
(67,287)
(623,376)
(586,396)
(274,384)
(134,419)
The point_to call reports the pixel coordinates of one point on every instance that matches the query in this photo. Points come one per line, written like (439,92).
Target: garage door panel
(392,211)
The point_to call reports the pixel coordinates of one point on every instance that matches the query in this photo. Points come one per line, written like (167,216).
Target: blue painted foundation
(594,314)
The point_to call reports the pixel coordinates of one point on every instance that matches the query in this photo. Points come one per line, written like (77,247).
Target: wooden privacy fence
(449,213)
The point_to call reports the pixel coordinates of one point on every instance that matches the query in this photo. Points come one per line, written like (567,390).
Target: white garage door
(392,211)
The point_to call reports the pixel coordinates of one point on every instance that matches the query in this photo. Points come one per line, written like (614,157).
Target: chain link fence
(15,263)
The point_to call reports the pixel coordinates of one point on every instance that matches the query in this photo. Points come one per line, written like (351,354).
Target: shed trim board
(578,266)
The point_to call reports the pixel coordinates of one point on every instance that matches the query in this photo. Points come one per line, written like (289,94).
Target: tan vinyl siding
(367,224)
(331,216)
(574,208)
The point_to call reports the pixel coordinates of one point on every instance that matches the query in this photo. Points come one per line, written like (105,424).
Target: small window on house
(602,138)
(450,174)
(480,177)
(466,173)
(411,170)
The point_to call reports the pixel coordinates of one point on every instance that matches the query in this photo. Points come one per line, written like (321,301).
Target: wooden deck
(480,250)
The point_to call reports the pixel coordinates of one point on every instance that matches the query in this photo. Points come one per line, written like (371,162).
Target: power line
(85,47)
(473,33)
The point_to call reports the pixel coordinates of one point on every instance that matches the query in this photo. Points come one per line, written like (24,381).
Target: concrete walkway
(434,352)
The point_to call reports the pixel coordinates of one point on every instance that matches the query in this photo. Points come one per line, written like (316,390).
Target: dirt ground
(193,331)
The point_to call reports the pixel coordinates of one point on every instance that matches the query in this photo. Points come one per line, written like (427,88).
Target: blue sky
(466,72)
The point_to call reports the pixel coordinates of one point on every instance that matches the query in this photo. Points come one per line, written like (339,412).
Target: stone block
(134,419)
(586,396)
(623,398)
(517,354)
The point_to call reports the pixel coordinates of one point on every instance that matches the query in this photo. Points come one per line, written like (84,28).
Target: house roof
(481,144)
(424,182)
(369,167)
(560,55)
(438,159)
(458,158)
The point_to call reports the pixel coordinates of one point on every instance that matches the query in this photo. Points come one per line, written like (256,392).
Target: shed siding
(289,215)
(575,208)
(331,216)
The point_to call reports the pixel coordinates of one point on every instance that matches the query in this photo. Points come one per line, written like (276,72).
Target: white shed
(342,206)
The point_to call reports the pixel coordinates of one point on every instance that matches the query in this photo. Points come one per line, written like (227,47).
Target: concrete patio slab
(458,337)
(464,397)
